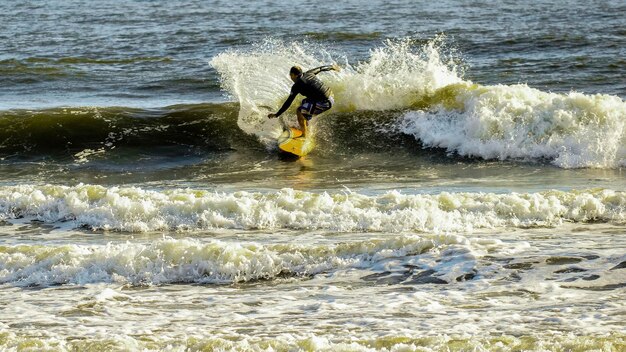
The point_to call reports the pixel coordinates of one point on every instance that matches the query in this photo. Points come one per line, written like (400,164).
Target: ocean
(467,191)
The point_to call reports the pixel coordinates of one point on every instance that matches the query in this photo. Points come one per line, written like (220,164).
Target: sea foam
(133,209)
(518,122)
(170,260)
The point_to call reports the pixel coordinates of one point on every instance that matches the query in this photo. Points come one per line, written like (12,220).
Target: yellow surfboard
(292,142)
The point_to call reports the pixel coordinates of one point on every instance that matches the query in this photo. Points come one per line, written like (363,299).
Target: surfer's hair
(296,70)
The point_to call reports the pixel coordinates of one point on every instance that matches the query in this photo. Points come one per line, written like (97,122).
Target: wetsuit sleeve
(287,103)
(320,69)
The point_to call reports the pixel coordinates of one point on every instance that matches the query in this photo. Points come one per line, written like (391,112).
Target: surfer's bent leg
(302,121)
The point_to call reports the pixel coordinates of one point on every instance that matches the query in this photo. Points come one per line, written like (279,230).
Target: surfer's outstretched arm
(333,67)
(285,106)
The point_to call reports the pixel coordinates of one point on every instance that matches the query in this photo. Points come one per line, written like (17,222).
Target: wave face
(76,129)
(138,210)
(442,109)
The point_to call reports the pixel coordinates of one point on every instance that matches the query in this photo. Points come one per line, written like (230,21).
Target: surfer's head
(295,72)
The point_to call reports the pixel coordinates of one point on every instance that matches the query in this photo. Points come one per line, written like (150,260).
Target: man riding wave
(318,97)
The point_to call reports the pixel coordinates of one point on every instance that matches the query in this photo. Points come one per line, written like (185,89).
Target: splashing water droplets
(392,77)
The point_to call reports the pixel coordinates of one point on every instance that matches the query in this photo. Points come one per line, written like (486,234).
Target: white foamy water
(175,261)
(331,271)
(518,122)
(555,289)
(139,210)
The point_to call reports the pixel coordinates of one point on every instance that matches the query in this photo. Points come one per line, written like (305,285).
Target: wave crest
(502,122)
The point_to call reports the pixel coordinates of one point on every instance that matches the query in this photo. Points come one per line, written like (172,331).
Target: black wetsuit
(310,86)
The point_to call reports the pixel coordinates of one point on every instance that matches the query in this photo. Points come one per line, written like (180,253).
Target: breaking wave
(407,90)
(186,260)
(441,109)
(133,209)
(518,122)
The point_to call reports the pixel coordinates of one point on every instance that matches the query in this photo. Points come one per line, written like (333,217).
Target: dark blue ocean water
(146,53)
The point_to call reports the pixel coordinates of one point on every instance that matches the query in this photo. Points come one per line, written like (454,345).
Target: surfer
(318,97)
